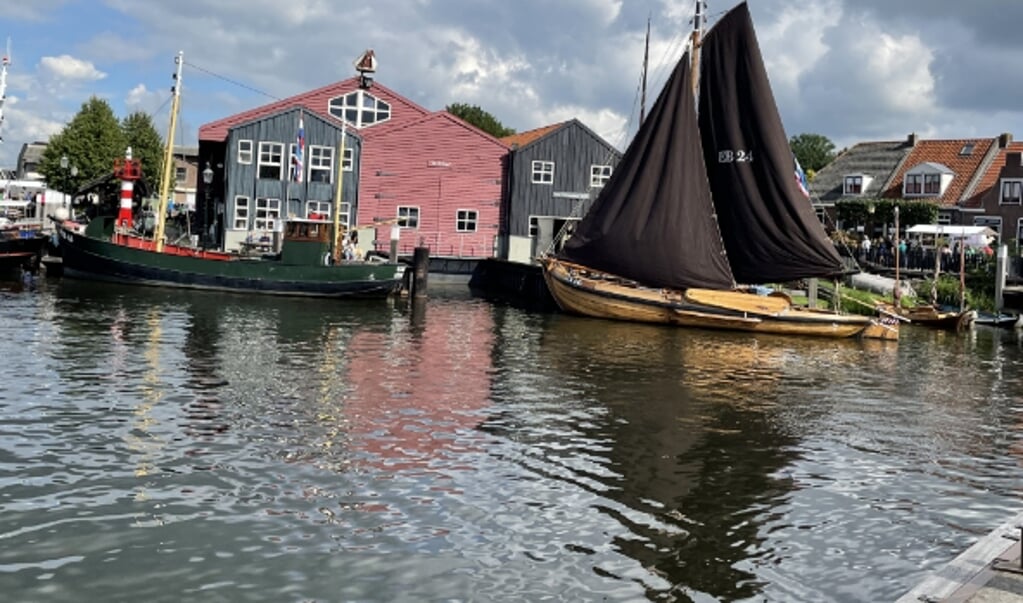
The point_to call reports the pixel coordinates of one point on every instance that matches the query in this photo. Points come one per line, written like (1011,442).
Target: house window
(245,152)
(359,108)
(241,213)
(321,164)
(180,174)
(543,172)
(408,217)
(347,159)
(346,213)
(853,185)
(932,184)
(465,220)
(271,160)
(320,208)
(967,149)
(914,184)
(534,226)
(1012,192)
(945,218)
(292,163)
(992,222)
(599,175)
(822,214)
(268,212)
(1019,235)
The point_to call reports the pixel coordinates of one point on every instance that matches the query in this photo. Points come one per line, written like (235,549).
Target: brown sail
(654,220)
(770,229)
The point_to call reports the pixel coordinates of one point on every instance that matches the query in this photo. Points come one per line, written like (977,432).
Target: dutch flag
(801,179)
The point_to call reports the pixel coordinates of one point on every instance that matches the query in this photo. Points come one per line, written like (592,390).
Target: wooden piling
(420,271)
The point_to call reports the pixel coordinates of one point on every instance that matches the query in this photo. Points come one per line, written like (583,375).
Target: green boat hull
(97,258)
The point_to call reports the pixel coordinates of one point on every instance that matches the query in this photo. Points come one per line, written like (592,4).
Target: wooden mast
(646,60)
(696,40)
(336,241)
(168,157)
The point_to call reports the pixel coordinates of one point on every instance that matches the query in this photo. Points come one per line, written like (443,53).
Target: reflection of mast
(152,394)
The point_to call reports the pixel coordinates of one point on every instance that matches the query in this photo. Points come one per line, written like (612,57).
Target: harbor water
(161,445)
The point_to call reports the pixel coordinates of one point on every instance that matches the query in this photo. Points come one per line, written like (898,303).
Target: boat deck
(990,571)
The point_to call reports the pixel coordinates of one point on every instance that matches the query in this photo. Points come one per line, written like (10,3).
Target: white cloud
(67,67)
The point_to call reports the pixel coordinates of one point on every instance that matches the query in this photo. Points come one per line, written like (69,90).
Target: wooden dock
(990,571)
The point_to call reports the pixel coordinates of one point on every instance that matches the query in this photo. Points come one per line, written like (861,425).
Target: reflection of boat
(698,205)
(309,262)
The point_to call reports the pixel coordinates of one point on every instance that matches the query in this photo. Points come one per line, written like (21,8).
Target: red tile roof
(990,177)
(315,101)
(949,154)
(524,138)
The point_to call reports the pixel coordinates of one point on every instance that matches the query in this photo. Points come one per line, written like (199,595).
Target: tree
(814,151)
(476,116)
(146,146)
(91,141)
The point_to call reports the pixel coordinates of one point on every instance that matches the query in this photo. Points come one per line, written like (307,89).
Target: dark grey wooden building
(553,174)
(254,183)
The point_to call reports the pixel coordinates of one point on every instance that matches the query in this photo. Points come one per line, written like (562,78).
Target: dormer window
(927,179)
(855,184)
(1012,192)
(967,149)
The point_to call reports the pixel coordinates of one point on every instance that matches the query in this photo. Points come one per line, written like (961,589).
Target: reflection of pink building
(412,396)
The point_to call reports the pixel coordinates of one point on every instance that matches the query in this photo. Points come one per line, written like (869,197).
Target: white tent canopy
(976,236)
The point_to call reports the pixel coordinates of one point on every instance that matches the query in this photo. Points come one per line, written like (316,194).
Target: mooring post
(811,292)
(395,235)
(420,271)
(1001,266)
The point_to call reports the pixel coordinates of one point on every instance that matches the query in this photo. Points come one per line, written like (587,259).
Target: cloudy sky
(852,70)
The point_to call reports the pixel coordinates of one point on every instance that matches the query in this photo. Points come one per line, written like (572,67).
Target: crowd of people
(912,255)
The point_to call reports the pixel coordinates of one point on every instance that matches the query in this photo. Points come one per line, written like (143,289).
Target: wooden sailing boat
(931,315)
(308,263)
(698,205)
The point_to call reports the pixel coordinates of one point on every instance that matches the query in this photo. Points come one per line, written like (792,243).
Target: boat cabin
(307,241)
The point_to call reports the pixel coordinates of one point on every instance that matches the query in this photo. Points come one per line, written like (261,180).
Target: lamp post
(207,178)
(63,167)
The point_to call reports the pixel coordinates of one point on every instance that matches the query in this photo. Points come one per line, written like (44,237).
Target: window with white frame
(346,213)
(319,208)
(1019,235)
(599,175)
(945,218)
(268,212)
(271,161)
(853,185)
(321,164)
(291,162)
(914,184)
(359,108)
(241,213)
(543,172)
(992,222)
(347,159)
(1012,192)
(245,152)
(534,226)
(465,220)
(932,184)
(408,216)
(822,214)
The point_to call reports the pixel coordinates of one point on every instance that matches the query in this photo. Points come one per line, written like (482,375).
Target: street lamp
(207,178)
(63,166)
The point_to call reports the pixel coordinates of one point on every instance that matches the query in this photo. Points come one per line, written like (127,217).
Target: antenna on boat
(168,158)
(3,85)
(696,39)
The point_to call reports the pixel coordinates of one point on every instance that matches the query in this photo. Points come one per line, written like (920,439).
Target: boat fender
(326,259)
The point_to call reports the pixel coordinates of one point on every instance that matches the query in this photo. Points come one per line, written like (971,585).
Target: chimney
(912,139)
(1014,160)
(1004,140)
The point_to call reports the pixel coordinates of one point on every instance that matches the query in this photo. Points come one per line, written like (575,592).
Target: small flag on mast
(801,179)
(298,159)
